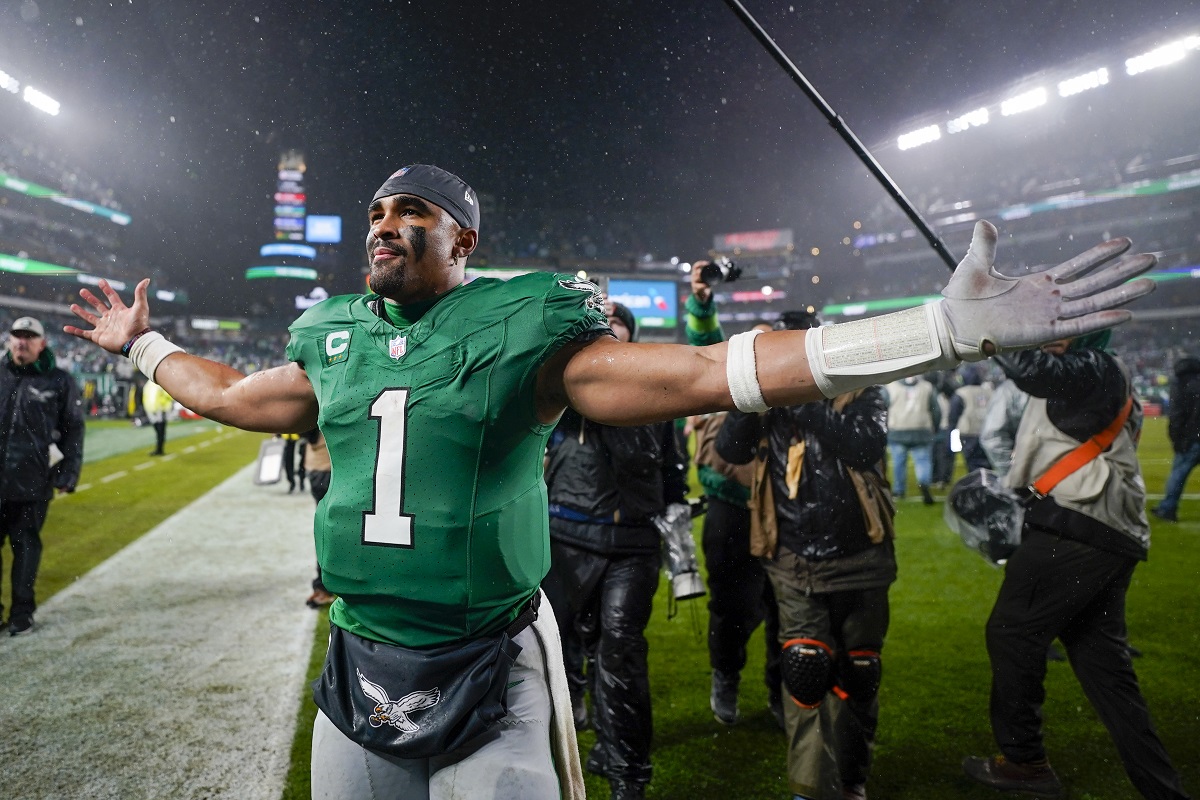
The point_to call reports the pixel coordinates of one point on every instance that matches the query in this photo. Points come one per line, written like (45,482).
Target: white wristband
(149,351)
(742,374)
(851,355)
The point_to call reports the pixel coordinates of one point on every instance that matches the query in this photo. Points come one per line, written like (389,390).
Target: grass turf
(936,678)
(934,695)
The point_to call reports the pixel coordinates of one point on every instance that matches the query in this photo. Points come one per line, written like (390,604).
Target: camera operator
(605,485)
(740,596)
(826,548)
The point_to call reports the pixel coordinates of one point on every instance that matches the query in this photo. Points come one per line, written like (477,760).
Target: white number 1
(386,524)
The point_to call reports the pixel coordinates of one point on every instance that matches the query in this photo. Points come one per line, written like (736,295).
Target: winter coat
(1183,425)
(156,402)
(1073,397)
(913,414)
(39,406)
(968,407)
(1000,423)
(605,484)
(719,478)
(822,519)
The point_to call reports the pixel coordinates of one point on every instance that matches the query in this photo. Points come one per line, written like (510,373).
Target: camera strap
(1081,455)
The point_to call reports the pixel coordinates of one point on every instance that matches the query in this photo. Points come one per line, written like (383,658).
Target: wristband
(148,349)
(741,373)
(879,350)
(125,348)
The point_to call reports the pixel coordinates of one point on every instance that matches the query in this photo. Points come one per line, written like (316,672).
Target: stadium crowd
(106,382)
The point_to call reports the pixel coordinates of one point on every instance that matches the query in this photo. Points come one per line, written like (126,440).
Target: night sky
(620,108)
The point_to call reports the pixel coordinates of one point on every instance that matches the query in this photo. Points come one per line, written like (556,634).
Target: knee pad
(807,667)
(860,674)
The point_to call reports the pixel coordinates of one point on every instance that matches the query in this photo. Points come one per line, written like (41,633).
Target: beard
(392,281)
(389,282)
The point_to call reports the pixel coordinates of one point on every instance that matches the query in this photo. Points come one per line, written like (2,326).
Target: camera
(720,270)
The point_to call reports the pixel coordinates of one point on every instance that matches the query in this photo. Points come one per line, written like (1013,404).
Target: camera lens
(710,274)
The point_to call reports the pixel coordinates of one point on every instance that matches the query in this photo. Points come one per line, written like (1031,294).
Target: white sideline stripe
(189,449)
(942,496)
(147,464)
(173,669)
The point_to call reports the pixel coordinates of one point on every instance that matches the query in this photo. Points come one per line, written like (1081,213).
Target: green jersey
(434,528)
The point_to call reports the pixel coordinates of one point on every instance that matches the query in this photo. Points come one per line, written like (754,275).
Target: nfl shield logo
(398,347)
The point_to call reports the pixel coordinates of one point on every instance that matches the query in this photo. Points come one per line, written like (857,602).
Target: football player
(436,398)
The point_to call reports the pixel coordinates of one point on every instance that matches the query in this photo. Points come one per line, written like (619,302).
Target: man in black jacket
(40,414)
(1082,538)
(1183,428)
(830,577)
(605,485)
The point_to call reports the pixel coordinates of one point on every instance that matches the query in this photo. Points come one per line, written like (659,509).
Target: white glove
(987,313)
(981,313)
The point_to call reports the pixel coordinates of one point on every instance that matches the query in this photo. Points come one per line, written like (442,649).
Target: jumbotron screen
(655,304)
(323,229)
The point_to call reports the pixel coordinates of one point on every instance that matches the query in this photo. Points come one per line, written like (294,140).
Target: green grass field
(934,695)
(124,495)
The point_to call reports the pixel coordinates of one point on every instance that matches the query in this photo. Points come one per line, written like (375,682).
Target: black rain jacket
(1183,425)
(605,484)
(39,406)
(825,519)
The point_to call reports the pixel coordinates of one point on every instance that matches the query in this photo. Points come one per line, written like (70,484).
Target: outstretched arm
(634,384)
(279,400)
(981,313)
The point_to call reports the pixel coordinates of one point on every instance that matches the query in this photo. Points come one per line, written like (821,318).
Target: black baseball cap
(623,313)
(444,189)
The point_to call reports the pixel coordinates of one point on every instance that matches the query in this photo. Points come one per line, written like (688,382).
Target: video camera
(719,270)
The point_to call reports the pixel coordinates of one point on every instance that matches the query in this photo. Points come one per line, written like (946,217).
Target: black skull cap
(444,189)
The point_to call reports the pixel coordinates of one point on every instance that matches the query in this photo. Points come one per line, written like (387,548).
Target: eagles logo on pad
(395,712)
(596,301)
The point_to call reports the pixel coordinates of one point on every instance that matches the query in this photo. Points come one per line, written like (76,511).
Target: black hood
(1187,366)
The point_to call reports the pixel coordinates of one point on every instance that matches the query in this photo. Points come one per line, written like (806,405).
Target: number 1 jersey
(434,528)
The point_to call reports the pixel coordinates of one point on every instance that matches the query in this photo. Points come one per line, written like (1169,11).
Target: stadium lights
(9,83)
(971,119)
(94,280)
(278,271)
(41,101)
(1081,83)
(1025,101)
(285,249)
(28,266)
(1161,56)
(930,133)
